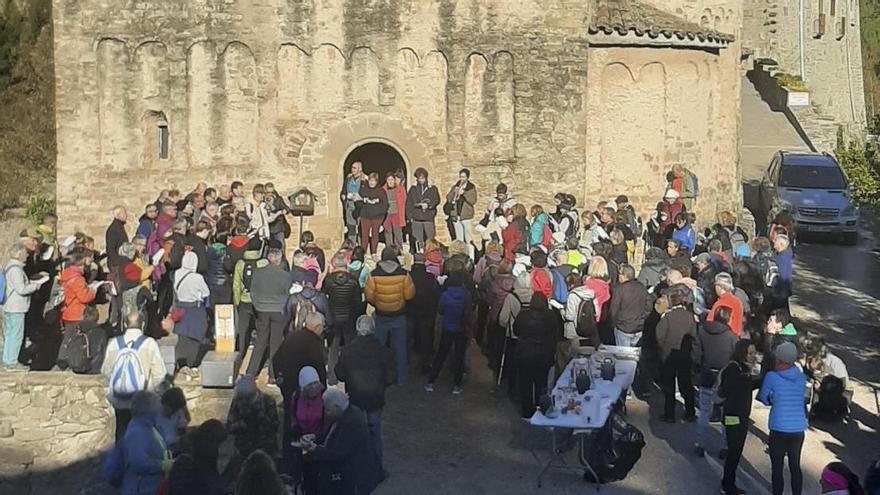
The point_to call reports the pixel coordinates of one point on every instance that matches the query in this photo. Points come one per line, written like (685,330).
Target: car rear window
(811,177)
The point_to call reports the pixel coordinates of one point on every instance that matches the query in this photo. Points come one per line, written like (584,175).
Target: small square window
(163,141)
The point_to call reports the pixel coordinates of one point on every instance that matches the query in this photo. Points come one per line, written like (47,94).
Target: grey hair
(315,320)
(783,238)
(18,250)
(127,250)
(365,325)
(627,271)
(180,224)
(274,256)
(145,402)
(117,210)
(299,258)
(134,320)
(139,241)
(338,261)
(724,281)
(335,397)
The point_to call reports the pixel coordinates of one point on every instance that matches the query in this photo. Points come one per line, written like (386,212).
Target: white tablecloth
(606,392)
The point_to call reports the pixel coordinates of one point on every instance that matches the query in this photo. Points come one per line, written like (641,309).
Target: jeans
(13,333)
(448,340)
(370,233)
(707,403)
(624,339)
(421,232)
(351,222)
(270,333)
(374,424)
(463,230)
(735,437)
(790,444)
(394,328)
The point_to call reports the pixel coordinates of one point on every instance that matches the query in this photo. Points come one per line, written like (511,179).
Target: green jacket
(239,293)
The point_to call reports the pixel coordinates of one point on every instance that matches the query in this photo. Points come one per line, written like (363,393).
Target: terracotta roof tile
(625,16)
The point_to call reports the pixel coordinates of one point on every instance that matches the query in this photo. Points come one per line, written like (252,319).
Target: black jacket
(712,350)
(736,388)
(538,331)
(706,281)
(115,237)
(427,292)
(178,249)
(630,304)
(200,247)
(422,194)
(675,331)
(218,279)
(377,210)
(653,272)
(300,348)
(345,460)
(367,368)
(344,294)
(681,259)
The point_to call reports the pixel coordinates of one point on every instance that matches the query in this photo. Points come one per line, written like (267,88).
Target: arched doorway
(376,157)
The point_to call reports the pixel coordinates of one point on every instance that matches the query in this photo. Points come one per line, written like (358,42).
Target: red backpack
(546,236)
(542,281)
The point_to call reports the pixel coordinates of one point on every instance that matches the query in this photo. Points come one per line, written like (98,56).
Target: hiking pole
(501,365)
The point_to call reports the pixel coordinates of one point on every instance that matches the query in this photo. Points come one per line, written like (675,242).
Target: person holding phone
(460,201)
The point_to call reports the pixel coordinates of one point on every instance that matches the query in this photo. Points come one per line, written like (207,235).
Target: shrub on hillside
(862,168)
(38,206)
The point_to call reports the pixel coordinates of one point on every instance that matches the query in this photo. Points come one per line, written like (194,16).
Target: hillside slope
(27,97)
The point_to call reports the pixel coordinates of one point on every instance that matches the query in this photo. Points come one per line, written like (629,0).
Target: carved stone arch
(476,72)
(151,64)
(202,106)
(406,83)
(293,66)
(240,110)
(152,122)
(327,80)
(434,78)
(505,105)
(364,81)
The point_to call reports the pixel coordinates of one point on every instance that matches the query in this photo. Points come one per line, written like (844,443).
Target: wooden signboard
(224,327)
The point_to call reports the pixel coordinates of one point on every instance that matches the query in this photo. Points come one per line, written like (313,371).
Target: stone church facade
(590,97)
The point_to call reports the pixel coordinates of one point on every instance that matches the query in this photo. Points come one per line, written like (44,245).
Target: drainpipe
(801,36)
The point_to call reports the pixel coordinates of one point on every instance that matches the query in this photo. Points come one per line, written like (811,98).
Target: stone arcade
(592,97)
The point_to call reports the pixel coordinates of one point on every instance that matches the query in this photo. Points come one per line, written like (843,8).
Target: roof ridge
(625,16)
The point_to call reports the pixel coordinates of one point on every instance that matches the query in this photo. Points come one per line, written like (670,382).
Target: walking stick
(501,365)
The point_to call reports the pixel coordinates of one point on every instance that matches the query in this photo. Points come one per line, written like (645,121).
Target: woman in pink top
(306,418)
(597,281)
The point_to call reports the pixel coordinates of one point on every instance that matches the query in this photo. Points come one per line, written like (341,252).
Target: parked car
(815,190)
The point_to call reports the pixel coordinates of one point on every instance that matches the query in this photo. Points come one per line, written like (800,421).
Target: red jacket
(736,312)
(76,294)
(400,195)
(671,210)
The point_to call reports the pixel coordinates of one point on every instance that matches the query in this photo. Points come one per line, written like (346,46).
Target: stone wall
(831,45)
(54,423)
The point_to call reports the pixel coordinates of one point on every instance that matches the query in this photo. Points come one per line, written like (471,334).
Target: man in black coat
(367,368)
(343,459)
(422,201)
(344,295)
(115,237)
(630,305)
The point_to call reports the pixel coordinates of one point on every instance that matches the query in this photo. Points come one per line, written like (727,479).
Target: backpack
(574,225)
(542,281)
(737,239)
(127,374)
(691,180)
(546,236)
(585,324)
(3,287)
(771,273)
(247,275)
(560,289)
(716,399)
(312,264)
(302,309)
(79,358)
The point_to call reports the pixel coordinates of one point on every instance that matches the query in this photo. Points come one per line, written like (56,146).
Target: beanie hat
(786,352)
(671,194)
(307,376)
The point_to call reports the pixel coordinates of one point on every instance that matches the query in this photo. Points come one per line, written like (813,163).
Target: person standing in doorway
(350,195)
(374,207)
(460,201)
(395,219)
(421,208)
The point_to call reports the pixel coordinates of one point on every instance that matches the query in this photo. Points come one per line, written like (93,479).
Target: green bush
(862,168)
(38,205)
(790,82)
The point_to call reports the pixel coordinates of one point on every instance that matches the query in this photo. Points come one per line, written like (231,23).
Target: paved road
(475,443)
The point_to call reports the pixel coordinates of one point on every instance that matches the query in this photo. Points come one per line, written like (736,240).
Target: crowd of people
(525,286)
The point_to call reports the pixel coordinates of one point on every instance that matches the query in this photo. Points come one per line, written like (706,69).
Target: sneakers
(429,387)
(699,451)
(456,390)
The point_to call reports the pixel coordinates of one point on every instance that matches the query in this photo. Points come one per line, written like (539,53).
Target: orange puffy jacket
(76,294)
(388,289)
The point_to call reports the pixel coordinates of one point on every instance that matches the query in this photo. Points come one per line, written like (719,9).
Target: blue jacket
(686,237)
(784,392)
(143,451)
(784,261)
(454,302)
(536,230)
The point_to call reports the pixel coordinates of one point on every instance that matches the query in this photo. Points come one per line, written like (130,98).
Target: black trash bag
(613,450)
(831,404)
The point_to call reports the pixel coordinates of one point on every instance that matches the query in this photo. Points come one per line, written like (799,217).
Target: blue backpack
(2,287)
(127,375)
(560,289)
